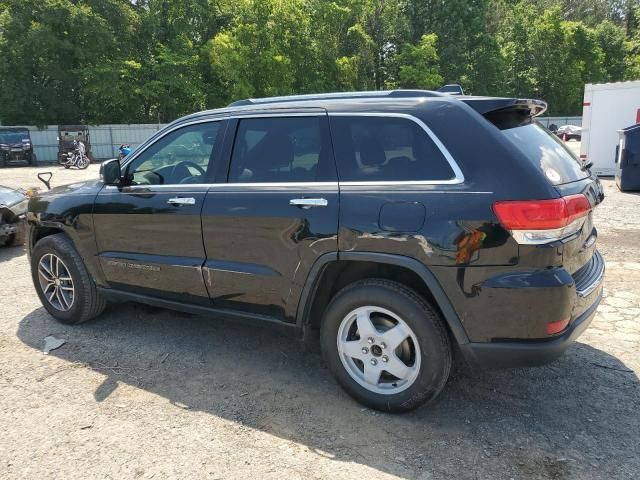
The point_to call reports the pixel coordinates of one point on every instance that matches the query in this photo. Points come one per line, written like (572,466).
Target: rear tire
(404,335)
(56,263)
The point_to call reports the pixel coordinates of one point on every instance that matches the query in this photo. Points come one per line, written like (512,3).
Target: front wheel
(386,345)
(83,162)
(62,281)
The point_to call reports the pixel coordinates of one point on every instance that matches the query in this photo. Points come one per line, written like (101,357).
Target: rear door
(277,213)
(148,231)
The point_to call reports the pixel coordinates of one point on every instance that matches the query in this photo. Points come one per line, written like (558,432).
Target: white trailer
(607,108)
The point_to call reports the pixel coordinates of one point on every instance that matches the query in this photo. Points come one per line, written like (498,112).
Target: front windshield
(9,196)
(13,137)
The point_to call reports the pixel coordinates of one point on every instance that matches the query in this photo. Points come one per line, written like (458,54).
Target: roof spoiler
(506,112)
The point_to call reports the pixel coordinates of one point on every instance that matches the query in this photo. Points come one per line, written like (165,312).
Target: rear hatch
(562,169)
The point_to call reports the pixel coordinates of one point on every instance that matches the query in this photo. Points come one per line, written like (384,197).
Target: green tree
(68,61)
(419,64)
(45,45)
(265,52)
(611,40)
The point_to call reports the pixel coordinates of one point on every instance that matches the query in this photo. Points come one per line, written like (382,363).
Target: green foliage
(68,61)
(419,64)
(551,58)
(264,54)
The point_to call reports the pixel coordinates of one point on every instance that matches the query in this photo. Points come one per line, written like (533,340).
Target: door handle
(182,201)
(308,202)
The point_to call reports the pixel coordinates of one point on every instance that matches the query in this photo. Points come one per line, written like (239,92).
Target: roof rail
(338,96)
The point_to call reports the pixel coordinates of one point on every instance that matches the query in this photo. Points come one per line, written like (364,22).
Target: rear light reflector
(543,221)
(556,327)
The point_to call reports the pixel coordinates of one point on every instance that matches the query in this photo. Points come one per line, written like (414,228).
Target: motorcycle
(77,158)
(124,150)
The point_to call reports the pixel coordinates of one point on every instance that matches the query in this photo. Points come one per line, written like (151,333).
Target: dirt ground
(148,393)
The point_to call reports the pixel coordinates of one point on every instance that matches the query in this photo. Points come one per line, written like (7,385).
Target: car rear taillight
(536,222)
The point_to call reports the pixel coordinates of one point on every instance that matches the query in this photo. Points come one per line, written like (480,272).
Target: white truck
(607,108)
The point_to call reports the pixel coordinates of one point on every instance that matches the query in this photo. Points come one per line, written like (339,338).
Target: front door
(278,213)
(148,231)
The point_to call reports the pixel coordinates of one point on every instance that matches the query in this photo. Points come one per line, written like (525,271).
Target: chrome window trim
(458,176)
(275,187)
(456,180)
(145,145)
(222,186)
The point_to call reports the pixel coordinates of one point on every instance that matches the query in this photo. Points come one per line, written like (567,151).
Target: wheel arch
(336,270)
(42,229)
(39,231)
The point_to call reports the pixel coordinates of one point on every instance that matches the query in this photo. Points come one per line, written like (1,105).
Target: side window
(280,149)
(180,157)
(386,149)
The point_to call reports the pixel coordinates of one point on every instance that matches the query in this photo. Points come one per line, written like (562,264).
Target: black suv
(396,228)
(15,144)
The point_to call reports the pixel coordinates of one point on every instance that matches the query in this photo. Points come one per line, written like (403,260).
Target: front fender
(67,210)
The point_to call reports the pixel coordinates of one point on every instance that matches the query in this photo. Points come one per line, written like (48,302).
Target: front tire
(387,347)
(62,281)
(83,162)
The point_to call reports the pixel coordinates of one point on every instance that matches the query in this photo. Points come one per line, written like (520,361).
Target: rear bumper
(528,353)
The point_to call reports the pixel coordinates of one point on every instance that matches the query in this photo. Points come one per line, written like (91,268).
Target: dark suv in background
(396,227)
(16,145)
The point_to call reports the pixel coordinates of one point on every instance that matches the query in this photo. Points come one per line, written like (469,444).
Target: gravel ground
(148,393)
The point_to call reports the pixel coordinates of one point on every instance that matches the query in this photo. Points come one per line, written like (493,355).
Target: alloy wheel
(378,350)
(56,282)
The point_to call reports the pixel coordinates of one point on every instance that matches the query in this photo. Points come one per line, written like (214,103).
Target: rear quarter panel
(459,239)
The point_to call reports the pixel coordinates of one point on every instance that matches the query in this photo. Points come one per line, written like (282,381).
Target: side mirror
(110,172)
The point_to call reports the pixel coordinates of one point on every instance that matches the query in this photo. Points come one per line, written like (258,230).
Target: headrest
(274,150)
(371,152)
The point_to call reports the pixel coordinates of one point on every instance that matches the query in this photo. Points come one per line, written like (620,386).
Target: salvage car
(13,210)
(16,145)
(569,132)
(358,221)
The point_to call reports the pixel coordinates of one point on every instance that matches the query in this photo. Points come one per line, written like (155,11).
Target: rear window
(380,148)
(546,152)
(279,150)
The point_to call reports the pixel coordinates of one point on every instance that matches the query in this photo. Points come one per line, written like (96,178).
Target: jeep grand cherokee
(395,228)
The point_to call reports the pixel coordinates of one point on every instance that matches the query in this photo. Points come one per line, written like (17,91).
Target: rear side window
(546,152)
(386,149)
(281,149)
